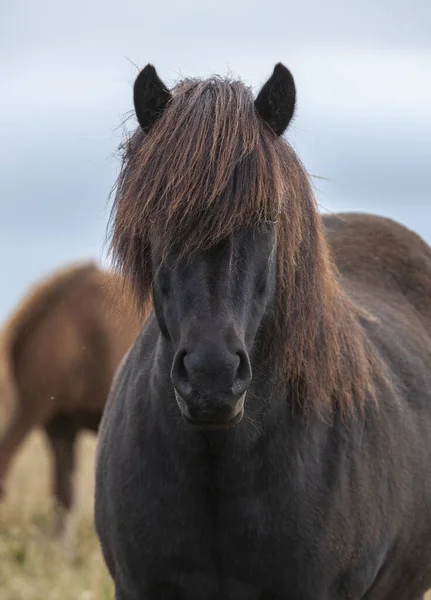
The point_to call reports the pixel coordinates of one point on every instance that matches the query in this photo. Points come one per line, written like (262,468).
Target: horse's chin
(211,424)
(214,425)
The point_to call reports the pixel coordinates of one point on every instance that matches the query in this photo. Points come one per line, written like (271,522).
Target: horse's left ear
(150,96)
(275,102)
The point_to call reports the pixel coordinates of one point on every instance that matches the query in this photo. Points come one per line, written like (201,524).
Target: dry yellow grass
(33,565)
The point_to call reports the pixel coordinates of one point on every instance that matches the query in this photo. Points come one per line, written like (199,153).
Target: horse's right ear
(275,102)
(150,96)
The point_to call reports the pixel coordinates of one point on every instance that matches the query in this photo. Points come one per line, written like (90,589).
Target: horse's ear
(150,96)
(275,102)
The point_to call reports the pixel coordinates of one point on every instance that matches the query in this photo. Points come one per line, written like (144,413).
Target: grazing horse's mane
(211,166)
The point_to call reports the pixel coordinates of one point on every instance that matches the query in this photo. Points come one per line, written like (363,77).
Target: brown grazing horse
(58,354)
(268,436)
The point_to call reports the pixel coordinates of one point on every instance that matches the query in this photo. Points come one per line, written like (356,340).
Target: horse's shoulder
(133,367)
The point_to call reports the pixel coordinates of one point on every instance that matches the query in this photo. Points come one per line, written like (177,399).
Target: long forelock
(209,167)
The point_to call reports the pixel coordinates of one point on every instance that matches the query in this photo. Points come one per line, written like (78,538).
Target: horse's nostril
(179,374)
(243,373)
(181,367)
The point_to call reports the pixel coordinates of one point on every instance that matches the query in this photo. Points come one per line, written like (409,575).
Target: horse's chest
(221,533)
(225,547)
(255,542)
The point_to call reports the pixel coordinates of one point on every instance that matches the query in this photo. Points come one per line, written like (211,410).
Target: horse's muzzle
(215,415)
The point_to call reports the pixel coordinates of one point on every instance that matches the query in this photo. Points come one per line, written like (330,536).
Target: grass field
(32,564)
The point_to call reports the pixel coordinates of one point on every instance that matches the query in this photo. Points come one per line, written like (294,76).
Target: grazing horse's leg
(24,419)
(62,433)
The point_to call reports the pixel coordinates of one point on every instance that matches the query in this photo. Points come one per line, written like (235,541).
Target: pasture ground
(32,564)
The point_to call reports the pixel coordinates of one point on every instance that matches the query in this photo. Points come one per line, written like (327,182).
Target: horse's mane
(119,301)
(209,167)
(41,298)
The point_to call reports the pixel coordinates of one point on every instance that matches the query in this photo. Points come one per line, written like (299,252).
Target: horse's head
(208,195)
(210,307)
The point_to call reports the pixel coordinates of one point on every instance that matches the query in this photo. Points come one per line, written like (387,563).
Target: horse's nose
(211,379)
(211,371)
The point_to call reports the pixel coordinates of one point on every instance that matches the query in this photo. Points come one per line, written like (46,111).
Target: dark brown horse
(59,351)
(268,436)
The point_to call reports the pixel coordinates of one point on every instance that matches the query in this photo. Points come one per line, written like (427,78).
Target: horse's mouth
(215,424)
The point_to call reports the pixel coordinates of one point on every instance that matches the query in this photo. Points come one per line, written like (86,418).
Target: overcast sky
(363,75)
